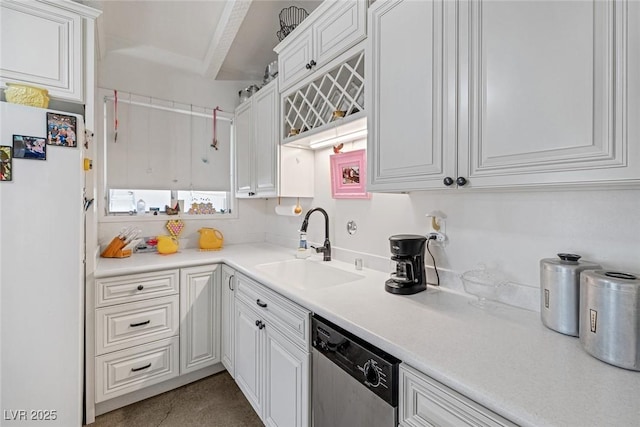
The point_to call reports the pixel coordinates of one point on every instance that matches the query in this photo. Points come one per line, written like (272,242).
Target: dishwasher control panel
(369,365)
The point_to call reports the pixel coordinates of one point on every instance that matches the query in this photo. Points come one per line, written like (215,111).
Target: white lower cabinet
(425,402)
(125,371)
(121,326)
(179,324)
(271,369)
(153,327)
(249,355)
(286,378)
(199,317)
(228,318)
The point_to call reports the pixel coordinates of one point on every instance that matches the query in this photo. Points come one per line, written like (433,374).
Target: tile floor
(215,401)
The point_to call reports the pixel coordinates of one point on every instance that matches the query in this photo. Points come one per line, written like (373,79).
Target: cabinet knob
(140,287)
(448,181)
(251,193)
(259,324)
(461,181)
(310,65)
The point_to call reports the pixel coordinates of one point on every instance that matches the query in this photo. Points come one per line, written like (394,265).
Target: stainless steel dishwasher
(354,384)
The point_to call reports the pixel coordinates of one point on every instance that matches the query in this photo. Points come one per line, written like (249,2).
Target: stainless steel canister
(610,317)
(560,292)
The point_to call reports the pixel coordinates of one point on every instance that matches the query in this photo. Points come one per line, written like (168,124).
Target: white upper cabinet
(340,27)
(243,149)
(328,31)
(544,101)
(405,102)
(531,94)
(295,61)
(42,45)
(265,115)
(256,155)
(263,169)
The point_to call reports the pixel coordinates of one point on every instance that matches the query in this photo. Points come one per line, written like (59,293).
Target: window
(161,152)
(191,202)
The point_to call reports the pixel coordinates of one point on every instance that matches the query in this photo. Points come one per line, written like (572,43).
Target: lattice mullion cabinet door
(324,95)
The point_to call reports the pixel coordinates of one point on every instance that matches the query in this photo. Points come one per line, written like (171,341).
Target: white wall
(128,74)
(508,231)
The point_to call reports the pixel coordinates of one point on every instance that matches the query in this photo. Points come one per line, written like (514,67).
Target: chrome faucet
(326,249)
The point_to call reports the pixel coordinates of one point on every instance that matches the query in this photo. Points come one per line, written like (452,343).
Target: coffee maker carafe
(407,250)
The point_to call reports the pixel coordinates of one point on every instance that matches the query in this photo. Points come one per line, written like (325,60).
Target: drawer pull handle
(261,304)
(141,368)
(230,279)
(146,322)
(140,287)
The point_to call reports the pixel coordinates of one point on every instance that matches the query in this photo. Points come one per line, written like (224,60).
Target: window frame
(103,190)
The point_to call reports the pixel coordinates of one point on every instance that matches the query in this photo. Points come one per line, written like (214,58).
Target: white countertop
(504,358)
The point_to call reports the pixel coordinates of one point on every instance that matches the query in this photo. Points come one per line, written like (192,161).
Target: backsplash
(247,228)
(507,231)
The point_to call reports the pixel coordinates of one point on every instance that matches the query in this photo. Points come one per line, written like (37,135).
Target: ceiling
(222,40)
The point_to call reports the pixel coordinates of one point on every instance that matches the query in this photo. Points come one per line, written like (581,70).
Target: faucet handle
(318,249)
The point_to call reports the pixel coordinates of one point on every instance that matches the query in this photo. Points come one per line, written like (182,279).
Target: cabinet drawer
(126,325)
(132,369)
(426,402)
(135,287)
(291,319)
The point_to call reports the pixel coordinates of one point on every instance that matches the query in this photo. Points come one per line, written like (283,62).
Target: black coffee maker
(410,277)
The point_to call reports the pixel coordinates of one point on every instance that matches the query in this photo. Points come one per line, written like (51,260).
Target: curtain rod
(222,115)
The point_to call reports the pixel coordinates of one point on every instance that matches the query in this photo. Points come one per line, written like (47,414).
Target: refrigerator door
(41,279)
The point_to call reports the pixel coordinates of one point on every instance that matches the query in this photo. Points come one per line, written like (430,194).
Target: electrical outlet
(439,237)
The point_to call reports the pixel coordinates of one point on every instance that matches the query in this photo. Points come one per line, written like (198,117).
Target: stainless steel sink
(307,274)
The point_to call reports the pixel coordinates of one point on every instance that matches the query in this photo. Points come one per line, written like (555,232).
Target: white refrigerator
(41,278)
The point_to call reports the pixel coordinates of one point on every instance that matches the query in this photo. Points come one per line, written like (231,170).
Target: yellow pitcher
(167,245)
(210,239)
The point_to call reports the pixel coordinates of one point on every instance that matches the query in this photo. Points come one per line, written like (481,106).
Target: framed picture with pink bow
(349,175)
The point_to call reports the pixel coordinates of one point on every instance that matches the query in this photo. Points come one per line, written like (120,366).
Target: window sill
(164,217)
